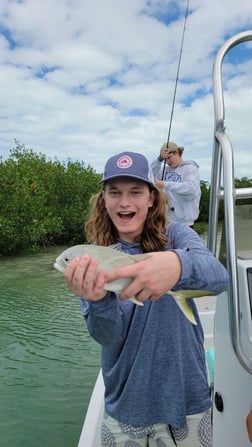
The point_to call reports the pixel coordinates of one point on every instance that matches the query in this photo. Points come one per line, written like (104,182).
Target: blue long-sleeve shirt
(153,358)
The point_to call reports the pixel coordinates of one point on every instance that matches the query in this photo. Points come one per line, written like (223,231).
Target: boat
(228,330)
(232,390)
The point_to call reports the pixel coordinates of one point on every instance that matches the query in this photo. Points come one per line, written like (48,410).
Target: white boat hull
(91,431)
(231,381)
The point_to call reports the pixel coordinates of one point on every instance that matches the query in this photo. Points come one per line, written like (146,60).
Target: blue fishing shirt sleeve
(152,357)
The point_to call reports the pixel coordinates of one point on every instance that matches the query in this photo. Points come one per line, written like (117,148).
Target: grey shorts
(196,433)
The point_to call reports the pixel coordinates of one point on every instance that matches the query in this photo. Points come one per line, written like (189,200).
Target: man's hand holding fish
(151,277)
(82,278)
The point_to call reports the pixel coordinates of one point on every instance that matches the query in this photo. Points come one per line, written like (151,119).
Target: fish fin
(184,307)
(135,301)
(137,258)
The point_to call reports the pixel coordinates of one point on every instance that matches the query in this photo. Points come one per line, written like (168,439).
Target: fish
(110,258)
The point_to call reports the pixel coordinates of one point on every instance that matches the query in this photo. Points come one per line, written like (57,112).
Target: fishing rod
(176,84)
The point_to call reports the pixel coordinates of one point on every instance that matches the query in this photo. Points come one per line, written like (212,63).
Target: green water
(48,361)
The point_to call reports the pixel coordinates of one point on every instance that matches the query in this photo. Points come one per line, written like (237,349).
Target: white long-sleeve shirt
(182,185)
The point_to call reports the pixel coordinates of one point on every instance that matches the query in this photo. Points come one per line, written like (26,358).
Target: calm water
(48,361)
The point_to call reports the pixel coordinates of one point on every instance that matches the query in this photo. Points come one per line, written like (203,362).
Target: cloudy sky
(84,79)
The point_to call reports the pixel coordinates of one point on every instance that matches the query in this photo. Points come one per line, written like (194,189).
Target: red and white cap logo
(124,162)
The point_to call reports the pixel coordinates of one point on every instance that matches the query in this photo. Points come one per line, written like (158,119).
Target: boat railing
(223,169)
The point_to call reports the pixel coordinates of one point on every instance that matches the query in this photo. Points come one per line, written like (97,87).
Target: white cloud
(84,80)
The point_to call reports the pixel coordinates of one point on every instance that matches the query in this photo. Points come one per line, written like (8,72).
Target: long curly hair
(100,229)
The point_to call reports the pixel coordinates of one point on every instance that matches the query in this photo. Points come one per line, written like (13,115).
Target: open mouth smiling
(126,216)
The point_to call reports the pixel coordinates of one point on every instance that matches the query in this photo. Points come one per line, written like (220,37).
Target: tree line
(45,202)
(42,202)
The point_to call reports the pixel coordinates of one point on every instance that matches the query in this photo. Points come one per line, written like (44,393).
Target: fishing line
(176,83)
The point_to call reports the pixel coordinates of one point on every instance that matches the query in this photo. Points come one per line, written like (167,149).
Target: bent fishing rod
(176,84)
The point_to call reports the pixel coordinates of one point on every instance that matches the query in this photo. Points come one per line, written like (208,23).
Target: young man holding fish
(153,360)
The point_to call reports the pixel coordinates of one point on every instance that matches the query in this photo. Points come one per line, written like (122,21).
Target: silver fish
(110,258)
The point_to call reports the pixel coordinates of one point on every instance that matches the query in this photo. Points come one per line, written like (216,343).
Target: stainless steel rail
(223,163)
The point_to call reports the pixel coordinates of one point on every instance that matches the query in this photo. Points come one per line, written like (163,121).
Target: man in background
(181,182)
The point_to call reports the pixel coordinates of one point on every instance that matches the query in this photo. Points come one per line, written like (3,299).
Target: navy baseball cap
(128,164)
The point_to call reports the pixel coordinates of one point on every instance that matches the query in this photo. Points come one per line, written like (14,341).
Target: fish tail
(191,293)
(184,307)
